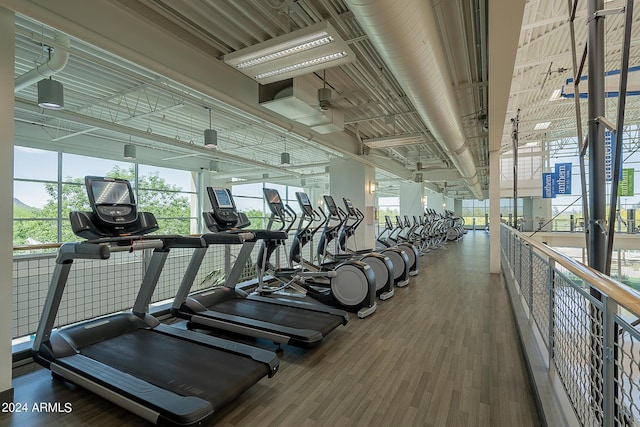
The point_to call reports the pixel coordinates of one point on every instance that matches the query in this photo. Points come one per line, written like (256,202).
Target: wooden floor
(441,352)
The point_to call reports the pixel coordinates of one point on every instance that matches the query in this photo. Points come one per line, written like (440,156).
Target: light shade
(211,138)
(130,151)
(303,51)
(50,94)
(285,159)
(372,187)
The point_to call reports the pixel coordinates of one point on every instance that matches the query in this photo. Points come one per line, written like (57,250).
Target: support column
(457,207)
(527,214)
(7,58)
(411,194)
(351,179)
(494,211)
(597,186)
(435,201)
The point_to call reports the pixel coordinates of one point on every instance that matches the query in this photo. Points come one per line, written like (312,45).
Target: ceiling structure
(544,63)
(110,100)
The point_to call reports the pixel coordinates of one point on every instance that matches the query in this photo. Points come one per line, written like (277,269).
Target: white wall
(411,194)
(351,179)
(7,56)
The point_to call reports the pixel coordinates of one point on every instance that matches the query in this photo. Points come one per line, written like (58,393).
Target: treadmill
(163,374)
(301,323)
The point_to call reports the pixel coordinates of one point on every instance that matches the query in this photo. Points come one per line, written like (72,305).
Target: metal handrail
(621,293)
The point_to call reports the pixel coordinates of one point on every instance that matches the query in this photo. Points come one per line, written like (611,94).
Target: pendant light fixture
(285,157)
(50,92)
(210,135)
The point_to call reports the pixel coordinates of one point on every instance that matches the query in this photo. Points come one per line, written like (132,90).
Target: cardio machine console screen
(273,199)
(349,206)
(331,204)
(304,202)
(223,198)
(111,199)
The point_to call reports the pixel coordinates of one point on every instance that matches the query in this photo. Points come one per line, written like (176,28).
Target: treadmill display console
(224,210)
(111,200)
(223,198)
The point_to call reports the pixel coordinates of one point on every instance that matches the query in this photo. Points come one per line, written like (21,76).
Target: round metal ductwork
(405,34)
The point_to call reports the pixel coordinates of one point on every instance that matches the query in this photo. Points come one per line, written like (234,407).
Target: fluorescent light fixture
(303,51)
(556,95)
(532,144)
(542,126)
(394,140)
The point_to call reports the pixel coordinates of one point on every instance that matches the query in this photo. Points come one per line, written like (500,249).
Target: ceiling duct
(297,99)
(406,36)
(54,65)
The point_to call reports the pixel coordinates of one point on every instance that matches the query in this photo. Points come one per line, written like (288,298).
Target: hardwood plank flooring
(441,352)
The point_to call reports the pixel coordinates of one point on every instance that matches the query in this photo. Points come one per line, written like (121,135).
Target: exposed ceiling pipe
(406,36)
(54,65)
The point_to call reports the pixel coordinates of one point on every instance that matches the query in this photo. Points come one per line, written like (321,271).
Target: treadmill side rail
(140,397)
(269,358)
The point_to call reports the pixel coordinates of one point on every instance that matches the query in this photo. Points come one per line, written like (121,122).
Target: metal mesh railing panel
(626,374)
(540,303)
(577,349)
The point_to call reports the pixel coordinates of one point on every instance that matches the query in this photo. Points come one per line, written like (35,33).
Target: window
(42,201)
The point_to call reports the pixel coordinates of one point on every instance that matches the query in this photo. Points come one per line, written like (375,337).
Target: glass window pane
(165,204)
(75,168)
(25,158)
(253,190)
(34,231)
(34,196)
(174,226)
(157,178)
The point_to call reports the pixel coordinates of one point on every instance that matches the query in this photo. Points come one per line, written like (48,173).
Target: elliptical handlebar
(292,214)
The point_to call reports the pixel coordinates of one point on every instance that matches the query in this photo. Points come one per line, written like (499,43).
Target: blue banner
(562,179)
(547,185)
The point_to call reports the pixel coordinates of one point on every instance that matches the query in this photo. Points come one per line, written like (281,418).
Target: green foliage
(257,219)
(154,195)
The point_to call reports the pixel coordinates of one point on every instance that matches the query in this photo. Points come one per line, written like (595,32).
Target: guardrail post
(227,260)
(519,261)
(530,281)
(550,286)
(609,373)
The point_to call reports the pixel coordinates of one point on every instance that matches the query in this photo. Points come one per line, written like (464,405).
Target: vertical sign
(562,179)
(609,155)
(547,185)
(626,184)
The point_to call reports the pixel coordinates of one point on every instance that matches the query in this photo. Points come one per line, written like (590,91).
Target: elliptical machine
(391,240)
(381,265)
(398,257)
(349,284)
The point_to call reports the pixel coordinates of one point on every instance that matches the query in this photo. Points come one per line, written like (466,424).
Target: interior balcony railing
(579,330)
(97,288)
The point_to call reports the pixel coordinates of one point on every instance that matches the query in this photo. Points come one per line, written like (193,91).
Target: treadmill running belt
(183,367)
(280,315)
